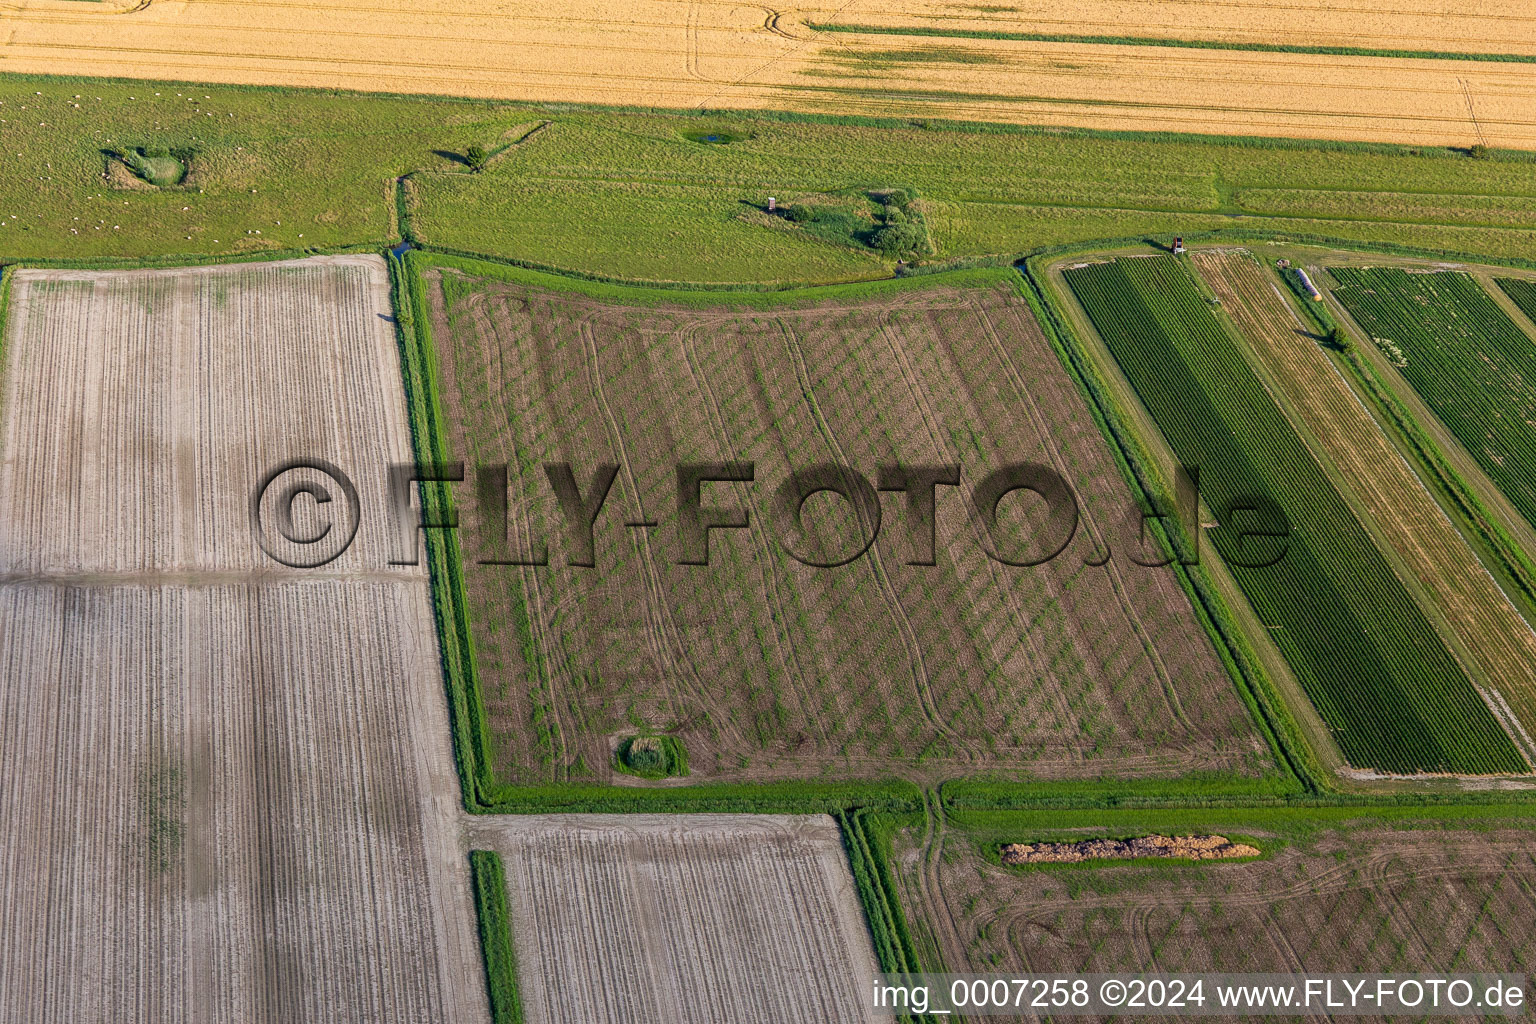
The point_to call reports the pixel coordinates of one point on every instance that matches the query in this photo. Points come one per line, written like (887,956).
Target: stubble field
(685,917)
(767,668)
(1339,894)
(235,798)
(664,53)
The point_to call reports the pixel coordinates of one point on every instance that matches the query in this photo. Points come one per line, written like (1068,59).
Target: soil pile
(1191,847)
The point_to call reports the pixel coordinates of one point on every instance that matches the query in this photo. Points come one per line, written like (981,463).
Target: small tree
(1339,341)
(477,156)
(1478,152)
(801,214)
(645,754)
(899,238)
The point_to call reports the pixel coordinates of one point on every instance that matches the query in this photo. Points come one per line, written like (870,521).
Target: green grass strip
(977,272)
(495,918)
(867,840)
(1187,44)
(792,797)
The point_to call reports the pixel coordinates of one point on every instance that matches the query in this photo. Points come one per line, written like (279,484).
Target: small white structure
(773,204)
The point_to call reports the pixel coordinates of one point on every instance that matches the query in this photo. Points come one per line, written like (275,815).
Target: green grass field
(1381,678)
(1470,362)
(630,195)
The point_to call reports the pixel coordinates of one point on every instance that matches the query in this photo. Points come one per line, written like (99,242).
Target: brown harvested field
(1361,895)
(232,795)
(1491,637)
(768,668)
(720,55)
(683,917)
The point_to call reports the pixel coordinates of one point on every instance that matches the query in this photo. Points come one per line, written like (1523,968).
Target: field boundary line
(1185,44)
(493,913)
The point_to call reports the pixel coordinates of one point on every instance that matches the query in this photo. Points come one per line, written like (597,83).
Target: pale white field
(684,918)
(144,407)
(229,793)
(727,55)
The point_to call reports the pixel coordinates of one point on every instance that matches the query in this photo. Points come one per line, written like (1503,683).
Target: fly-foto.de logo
(305,513)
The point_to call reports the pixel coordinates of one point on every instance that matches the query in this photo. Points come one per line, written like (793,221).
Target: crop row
(1380,676)
(1467,359)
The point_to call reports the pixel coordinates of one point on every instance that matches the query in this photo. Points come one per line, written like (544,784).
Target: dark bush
(644,754)
(896,239)
(476,156)
(801,214)
(156,152)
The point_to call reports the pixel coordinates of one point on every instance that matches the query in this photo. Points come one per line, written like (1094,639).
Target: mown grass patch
(651,757)
(156,165)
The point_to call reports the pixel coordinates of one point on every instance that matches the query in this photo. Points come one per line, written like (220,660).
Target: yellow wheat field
(720,54)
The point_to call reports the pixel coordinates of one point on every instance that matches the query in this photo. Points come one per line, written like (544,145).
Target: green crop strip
(1465,357)
(1511,564)
(495,918)
(1488,535)
(1381,678)
(1522,293)
(1187,44)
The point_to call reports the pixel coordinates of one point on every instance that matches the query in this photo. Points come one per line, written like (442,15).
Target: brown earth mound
(1192,847)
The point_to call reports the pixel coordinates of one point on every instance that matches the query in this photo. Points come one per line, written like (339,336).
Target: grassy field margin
(494,916)
(867,841)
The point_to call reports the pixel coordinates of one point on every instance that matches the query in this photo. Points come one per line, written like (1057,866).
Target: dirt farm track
(717,54)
